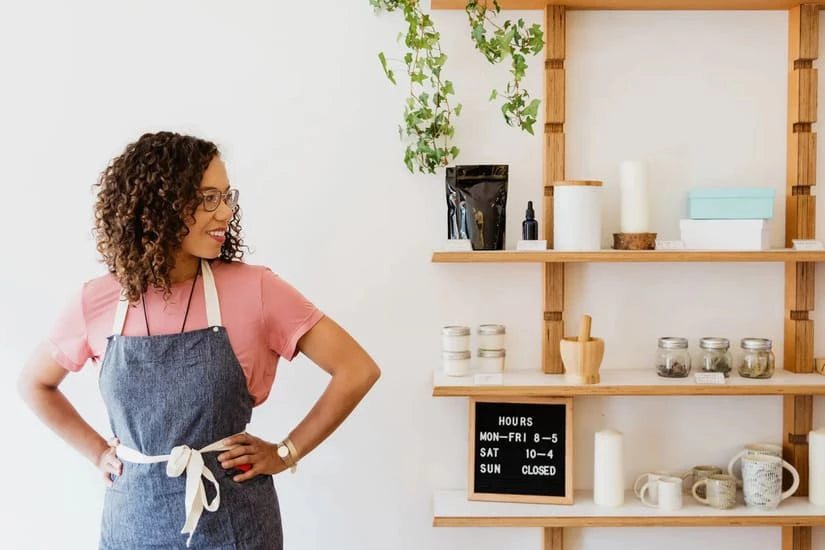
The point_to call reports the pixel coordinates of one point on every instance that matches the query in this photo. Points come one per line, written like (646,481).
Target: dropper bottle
(530,227)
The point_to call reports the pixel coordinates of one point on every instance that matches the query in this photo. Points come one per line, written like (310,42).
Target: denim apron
(171,399)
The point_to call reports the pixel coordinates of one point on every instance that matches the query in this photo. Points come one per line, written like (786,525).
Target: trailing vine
(428,112)
(514,40)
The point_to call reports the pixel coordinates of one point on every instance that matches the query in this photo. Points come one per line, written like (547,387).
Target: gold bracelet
(293,452)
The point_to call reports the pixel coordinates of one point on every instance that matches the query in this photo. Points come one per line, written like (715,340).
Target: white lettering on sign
(519,421)
(538,470)
(488,452)
(488,436)
(517,437)
(490,468)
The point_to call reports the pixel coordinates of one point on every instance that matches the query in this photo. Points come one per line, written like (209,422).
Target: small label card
(662,244)
(531,245)
(489,379)
(709,378)
(458,245)
(807,244)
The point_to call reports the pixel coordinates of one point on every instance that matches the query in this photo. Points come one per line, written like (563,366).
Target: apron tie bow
(185,459)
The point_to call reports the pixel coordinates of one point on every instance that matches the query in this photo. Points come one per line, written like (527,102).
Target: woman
(187,338)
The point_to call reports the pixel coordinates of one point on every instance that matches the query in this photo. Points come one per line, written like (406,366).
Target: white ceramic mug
(652,477)
(762,480)
(720,490)
(750,449)
(669,491)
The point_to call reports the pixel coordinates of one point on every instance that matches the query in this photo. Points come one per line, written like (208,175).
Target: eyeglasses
(212,199)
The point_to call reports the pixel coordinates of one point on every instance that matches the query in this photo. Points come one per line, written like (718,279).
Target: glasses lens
(232,198)
(211,200)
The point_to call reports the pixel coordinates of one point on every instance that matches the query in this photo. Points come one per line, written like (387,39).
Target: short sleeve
(68,337)
(287,314)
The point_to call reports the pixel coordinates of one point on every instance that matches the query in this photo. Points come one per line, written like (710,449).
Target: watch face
(283,451)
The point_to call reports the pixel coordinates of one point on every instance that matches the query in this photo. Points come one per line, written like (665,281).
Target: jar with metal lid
(715,355)
(672,358)
(491,336)
(455,338)
(757,358)
(491,360)
(456,363)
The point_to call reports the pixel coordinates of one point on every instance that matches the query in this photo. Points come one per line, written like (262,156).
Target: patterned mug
(762,481)
(771,449)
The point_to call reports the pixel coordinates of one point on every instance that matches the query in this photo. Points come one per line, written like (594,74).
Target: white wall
(294,94)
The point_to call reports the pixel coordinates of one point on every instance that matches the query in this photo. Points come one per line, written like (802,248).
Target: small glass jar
(757,358)
(456,363)
(672,358)
(491,360)
(455,338)
(491,336)
(715,355)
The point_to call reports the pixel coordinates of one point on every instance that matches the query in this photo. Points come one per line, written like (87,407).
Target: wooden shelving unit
(623,382)
(552,256)
(630,4)
(452,509)
(795,384)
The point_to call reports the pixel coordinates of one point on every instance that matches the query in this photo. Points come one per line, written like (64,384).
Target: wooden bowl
(582,368)
(634,241)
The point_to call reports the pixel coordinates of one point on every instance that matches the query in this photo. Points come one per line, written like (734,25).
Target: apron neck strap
(210,292)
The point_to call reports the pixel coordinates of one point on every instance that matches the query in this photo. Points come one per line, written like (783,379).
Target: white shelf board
(451,508)
(533,383)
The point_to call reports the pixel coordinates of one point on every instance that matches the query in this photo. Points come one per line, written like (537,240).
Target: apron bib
(171,399)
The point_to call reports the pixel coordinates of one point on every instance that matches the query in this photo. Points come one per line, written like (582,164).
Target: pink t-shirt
(263,315)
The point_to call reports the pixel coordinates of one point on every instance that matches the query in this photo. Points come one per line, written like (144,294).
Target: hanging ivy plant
(428,111)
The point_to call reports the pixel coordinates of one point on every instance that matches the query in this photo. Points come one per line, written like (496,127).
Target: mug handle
(696,495)
(646,489)
(637,486)
(795,485)
(732,463)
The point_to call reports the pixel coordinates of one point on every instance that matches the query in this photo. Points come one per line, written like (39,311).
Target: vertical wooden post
(553,322)
(800,223)
(552,538)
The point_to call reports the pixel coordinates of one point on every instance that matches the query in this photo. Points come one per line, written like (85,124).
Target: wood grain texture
(796,538)
(555,32)
(801,163)
(552,538)
(799,345)
(550,355)
(800,217)
(799,286)
(803,33)
(797,419)
(802,100)
(554,96)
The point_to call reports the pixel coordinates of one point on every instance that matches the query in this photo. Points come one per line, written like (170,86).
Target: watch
(283,452)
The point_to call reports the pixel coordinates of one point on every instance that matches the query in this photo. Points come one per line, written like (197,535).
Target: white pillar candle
(634,202)
(816,463)
(608,469)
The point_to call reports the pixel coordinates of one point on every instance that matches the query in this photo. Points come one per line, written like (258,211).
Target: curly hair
(146,197)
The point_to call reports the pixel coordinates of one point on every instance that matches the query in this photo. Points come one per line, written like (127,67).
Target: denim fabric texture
(180,389)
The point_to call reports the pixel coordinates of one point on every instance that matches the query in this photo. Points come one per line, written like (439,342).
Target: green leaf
(493,95)
(457,110)
(448,88)
(454,151)
(532,109)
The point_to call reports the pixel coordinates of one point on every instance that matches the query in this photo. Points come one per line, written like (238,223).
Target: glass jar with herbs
(715,355)
(672,358)
(757,358)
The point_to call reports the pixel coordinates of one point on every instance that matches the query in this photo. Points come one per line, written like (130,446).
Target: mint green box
(731,203)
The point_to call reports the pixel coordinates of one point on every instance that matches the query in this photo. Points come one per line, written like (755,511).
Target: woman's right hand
(108,462)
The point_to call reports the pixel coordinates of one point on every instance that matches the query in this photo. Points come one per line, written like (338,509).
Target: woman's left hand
(251,450)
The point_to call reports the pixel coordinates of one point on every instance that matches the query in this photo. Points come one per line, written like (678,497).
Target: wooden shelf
(624,382)
(630,4)
(554,256)
(452,509)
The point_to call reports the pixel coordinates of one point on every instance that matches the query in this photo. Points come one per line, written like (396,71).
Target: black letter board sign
(521,450)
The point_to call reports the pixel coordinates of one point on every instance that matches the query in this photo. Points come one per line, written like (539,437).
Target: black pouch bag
(477,204)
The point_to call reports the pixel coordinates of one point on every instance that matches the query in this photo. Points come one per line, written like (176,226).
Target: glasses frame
(230,198)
